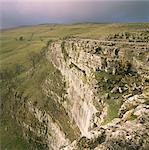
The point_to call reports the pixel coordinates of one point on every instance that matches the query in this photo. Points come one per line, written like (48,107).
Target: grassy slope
(14,53)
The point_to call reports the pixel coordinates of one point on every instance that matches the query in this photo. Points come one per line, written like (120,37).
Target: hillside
(79,86)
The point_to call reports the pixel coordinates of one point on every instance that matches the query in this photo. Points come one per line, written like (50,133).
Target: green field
(23,66)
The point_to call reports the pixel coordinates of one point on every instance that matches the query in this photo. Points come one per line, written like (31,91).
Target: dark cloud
(26,13)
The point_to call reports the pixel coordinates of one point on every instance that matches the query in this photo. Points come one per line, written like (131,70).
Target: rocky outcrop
(102,76)
(130,132)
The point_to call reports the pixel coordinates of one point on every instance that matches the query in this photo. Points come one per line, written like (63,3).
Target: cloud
(25,12)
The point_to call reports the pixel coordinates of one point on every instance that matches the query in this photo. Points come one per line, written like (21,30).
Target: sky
(28,12)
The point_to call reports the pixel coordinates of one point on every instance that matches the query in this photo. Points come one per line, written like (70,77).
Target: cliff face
(77,67)
(95,96)
(104,80)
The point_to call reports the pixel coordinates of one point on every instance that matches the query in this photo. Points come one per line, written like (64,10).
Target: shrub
(21,38)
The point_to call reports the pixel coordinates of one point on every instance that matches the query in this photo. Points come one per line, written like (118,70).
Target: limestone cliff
(104,77)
